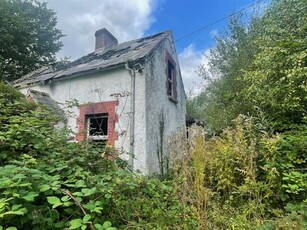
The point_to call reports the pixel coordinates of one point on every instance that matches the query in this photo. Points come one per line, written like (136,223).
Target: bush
(244,178)
(48,183)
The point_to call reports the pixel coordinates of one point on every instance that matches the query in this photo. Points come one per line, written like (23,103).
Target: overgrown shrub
(24,126)
(244,178)
(49,183)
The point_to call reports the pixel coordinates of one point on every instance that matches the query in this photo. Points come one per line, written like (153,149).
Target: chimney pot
(104,40)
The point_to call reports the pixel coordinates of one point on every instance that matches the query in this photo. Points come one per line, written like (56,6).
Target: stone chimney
(104,40)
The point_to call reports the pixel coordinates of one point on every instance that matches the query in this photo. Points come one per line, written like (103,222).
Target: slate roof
(45,99)
(97,61)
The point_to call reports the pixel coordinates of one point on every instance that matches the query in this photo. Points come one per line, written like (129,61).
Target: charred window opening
(170,78)
(97,127)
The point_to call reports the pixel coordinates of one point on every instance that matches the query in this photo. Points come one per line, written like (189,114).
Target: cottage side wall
(139,161)
(163,115)
(92,88)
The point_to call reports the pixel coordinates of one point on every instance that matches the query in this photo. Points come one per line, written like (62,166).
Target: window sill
(172,99)
(97,138)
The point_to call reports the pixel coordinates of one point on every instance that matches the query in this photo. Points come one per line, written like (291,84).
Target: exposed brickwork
(104,39)
(98,108)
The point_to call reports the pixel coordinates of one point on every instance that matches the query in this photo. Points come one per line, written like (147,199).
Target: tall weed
(224,177)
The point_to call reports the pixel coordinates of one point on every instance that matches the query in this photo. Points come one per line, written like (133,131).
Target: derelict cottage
(130,95)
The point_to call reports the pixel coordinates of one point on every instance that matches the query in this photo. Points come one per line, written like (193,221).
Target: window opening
(97,127)
(170,78)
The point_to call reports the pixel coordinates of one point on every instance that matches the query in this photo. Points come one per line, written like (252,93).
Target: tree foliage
(259,69)
(277,80)
(223,100)
(28,37)
(259,64)
(251,176)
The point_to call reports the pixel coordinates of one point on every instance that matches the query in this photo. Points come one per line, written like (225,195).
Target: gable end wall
(160,109)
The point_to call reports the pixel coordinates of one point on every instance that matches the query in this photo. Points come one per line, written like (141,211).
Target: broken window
(97,127)
(170,78)
(97,121)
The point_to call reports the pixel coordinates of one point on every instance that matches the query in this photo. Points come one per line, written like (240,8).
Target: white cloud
(126,20)
(79,19)
(190,60)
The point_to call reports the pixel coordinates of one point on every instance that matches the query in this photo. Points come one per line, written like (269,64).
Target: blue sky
(186,16)
(131,19)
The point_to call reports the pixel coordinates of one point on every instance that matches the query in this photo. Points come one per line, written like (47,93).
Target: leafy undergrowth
(49,183)
(56,194)
(245,178)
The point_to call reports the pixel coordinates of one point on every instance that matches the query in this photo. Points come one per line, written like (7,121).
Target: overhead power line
(219,20)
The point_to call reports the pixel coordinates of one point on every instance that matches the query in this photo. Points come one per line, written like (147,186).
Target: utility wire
(219,20)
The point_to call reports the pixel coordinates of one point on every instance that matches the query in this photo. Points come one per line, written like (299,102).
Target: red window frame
(86,110)
(171,77)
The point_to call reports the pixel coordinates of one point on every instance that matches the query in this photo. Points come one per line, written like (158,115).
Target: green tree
(277,84)
(223,100)
(277,80)
(28,37)
(266,68)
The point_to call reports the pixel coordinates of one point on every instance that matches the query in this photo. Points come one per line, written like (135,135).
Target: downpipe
(132,121)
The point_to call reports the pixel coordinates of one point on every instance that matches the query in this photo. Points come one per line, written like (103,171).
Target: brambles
(49,183)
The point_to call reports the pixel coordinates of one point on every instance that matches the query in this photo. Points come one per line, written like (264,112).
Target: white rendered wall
(140,163)
(158,103)
(92,88)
